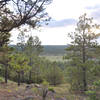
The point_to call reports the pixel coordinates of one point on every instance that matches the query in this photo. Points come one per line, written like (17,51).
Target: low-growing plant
(1,79)
(51,89)
(92,95)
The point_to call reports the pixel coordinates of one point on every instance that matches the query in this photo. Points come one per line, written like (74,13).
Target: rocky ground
(11,91)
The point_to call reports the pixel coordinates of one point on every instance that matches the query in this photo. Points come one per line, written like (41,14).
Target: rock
(61,99)
(37,85)
(29,98)
(29,87)
(32,85)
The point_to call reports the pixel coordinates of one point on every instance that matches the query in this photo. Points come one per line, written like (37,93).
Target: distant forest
(49,50)
(54,50)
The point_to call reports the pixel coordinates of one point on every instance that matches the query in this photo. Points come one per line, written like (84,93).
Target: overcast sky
(65,14)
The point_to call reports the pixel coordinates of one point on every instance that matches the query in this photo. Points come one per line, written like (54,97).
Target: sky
(64,14)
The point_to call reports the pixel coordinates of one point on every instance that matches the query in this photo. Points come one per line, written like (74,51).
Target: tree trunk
(54,78)
(44,94)
(30,77)
(84,68)
(19,79)
(22,74)
(84,80)
(6,73)
(30,72)
(44,98)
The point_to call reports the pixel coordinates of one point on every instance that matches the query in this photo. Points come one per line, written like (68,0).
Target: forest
(32,71)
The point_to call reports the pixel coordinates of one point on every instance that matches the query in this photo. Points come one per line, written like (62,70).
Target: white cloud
(49,36)
(60,10)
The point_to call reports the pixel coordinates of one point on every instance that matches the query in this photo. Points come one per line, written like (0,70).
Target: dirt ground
(11,91)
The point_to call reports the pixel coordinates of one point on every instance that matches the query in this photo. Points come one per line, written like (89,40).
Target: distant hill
(54,50)
(50,50)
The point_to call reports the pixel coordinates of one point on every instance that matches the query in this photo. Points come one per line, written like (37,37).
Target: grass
(62,89)
(10,86)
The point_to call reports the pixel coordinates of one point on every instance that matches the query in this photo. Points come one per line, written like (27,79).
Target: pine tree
(19,64)
(32,49)
(83,45)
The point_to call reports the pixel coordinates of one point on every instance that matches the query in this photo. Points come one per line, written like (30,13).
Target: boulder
(28,87)
(37,85)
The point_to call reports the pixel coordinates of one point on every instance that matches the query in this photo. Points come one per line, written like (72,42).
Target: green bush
(51,89)
(97,83)
(92,95)
(74,78)
(54,75)
(1,79)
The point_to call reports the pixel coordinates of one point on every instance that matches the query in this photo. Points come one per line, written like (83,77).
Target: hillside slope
(55,50)
(50,50)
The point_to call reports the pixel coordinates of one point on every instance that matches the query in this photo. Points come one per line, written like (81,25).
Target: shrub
(1,79)
(92,95)
(54,75)
(51,89)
